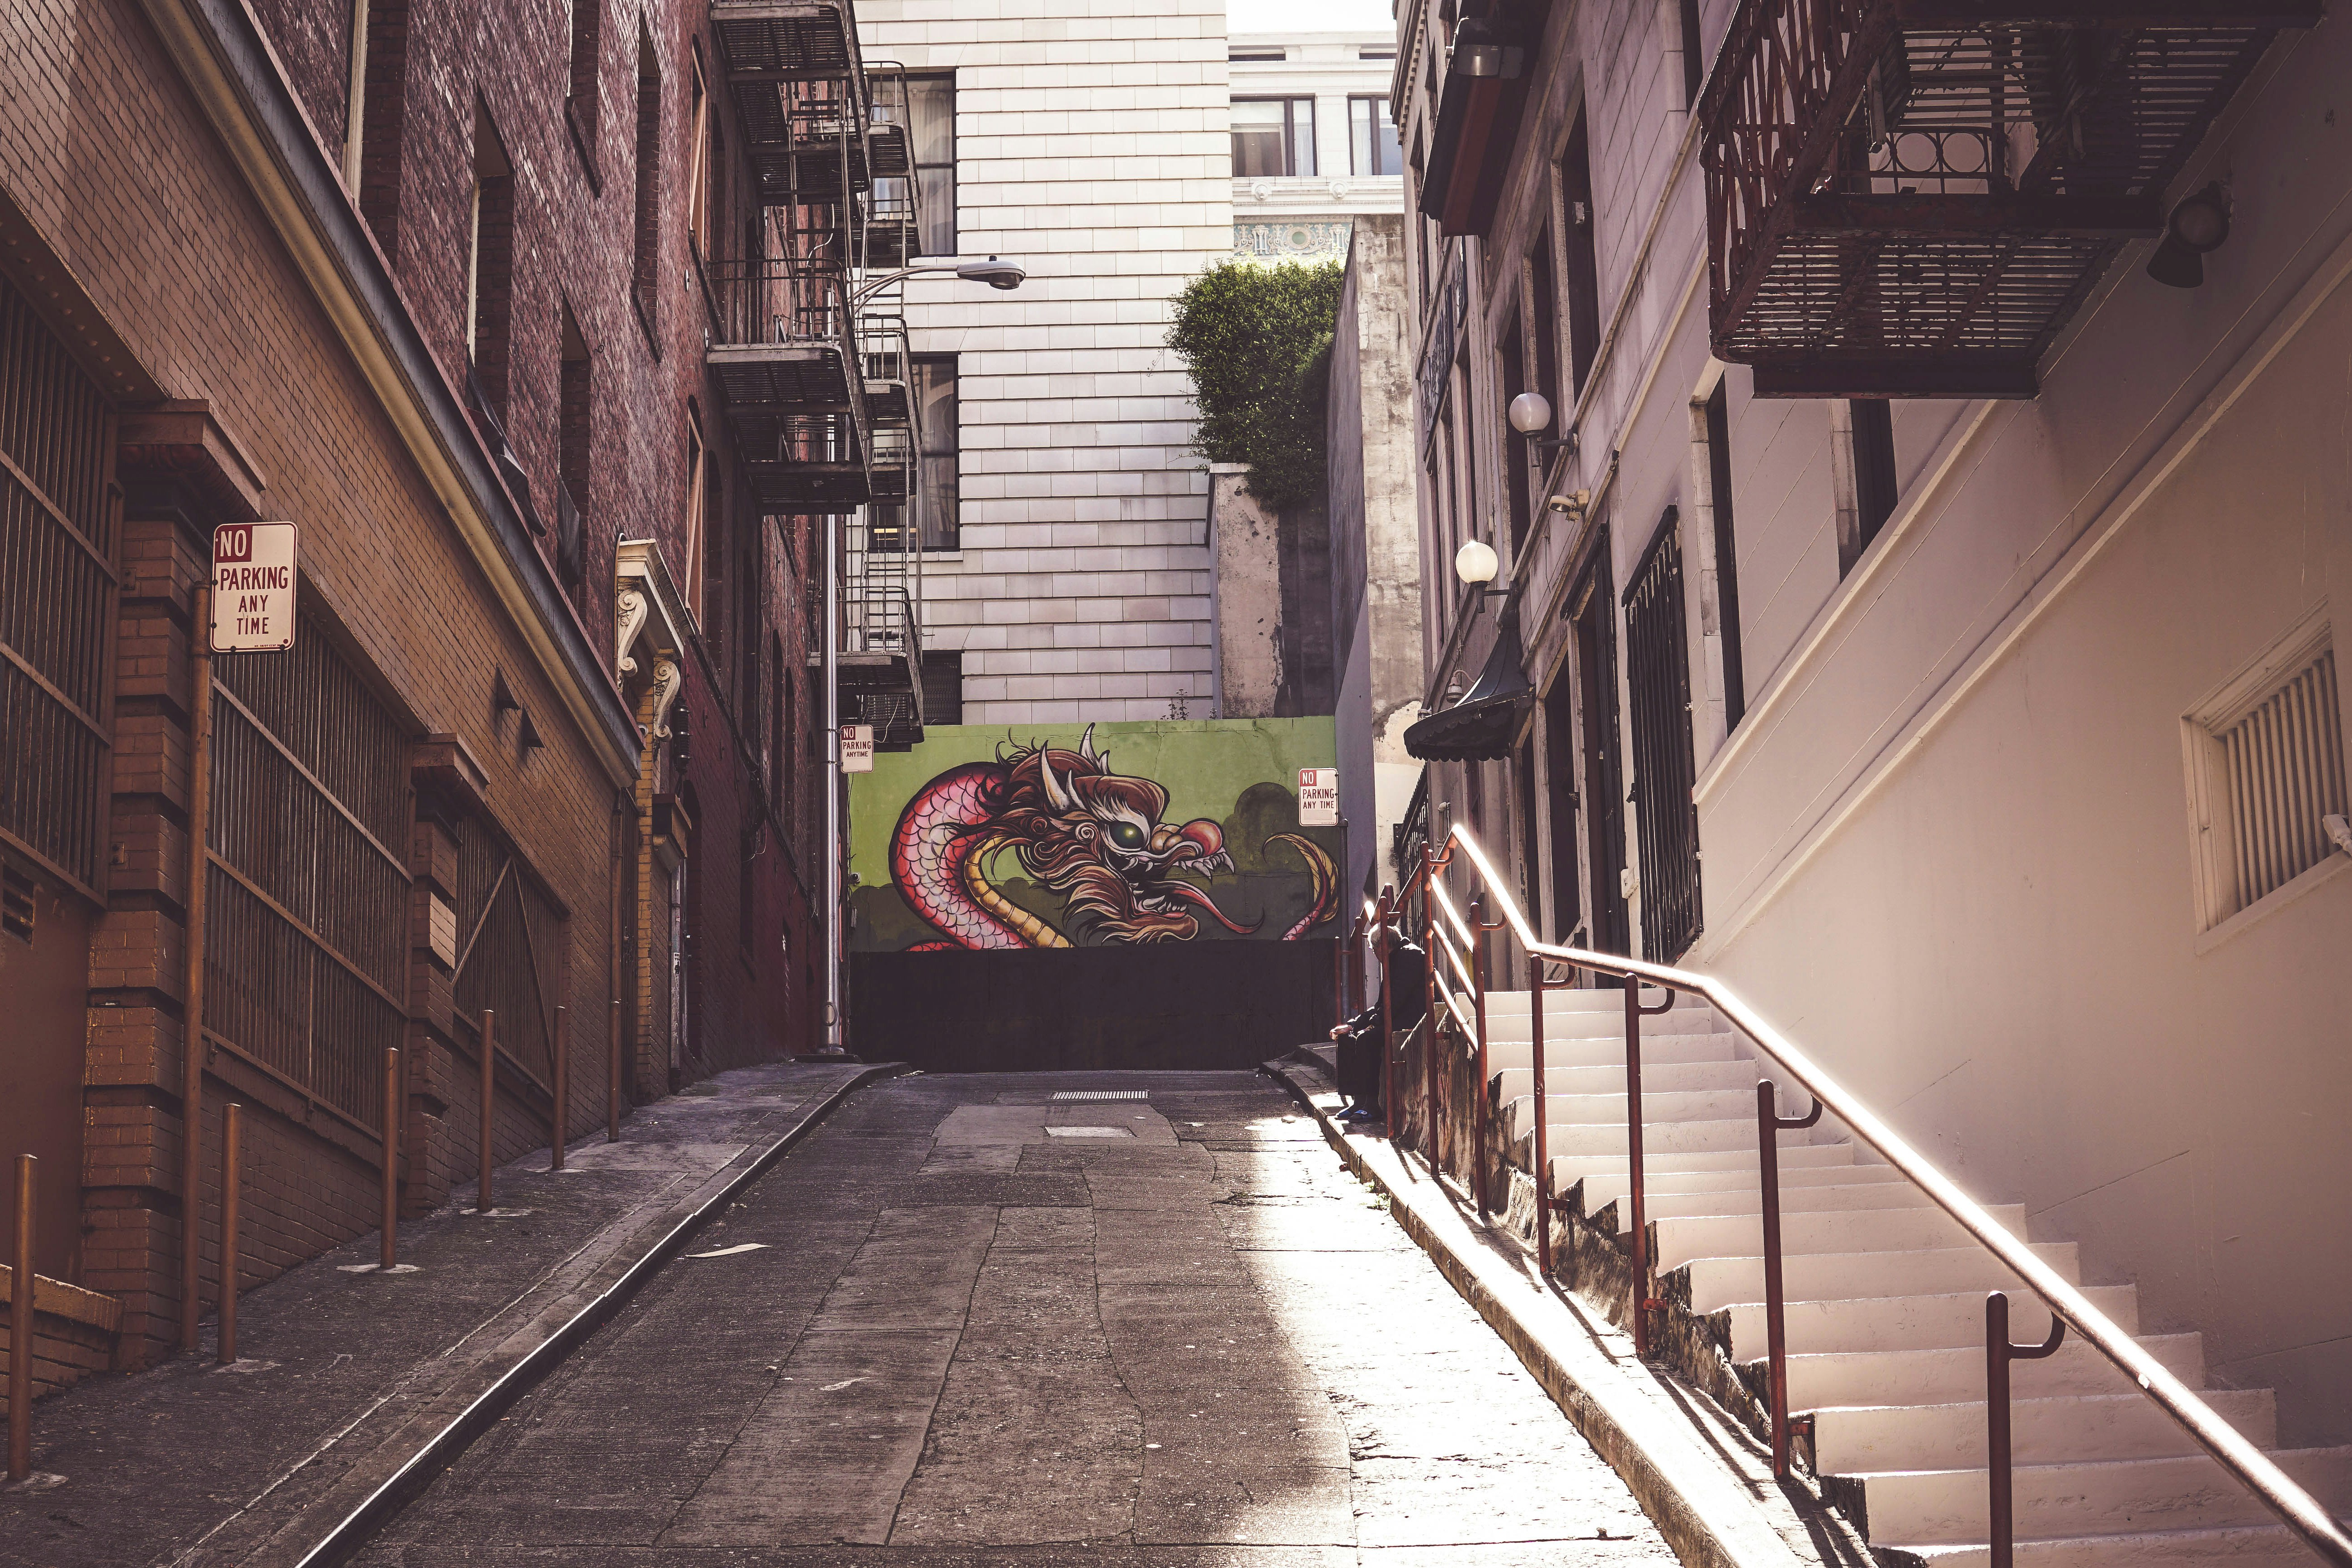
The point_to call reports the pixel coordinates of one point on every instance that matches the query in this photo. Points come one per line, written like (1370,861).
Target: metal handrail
(2292,1506)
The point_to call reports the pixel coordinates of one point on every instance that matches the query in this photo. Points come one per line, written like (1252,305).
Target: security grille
(58,518)
(509,953)
(2286,770)
(1657,672)
(307,897)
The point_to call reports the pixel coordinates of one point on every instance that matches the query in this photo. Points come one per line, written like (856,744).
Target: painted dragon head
(1096,838)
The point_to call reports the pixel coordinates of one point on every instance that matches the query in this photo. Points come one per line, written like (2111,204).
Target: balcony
(781,357)
(798,41)
(1909,198)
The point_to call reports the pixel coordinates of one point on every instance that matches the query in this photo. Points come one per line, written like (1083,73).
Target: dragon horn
(1086,749)
(1060,798)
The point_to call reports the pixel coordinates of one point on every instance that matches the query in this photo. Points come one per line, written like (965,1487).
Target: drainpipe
(832,1041)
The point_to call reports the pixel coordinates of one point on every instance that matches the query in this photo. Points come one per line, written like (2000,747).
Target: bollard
(489,1044)
(232,1127)
(562,1086)
(391,1097)
(613,1080)
(20,1327)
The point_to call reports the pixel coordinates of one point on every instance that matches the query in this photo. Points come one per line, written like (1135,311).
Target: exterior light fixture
(1475,562)
(2199,223)
(1530,413)
(995,273)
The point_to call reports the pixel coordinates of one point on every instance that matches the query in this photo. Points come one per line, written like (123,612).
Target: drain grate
(1062,1096)
(1090,1132)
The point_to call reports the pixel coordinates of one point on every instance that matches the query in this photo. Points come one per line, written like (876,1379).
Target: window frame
(1290,136)
(1379,105)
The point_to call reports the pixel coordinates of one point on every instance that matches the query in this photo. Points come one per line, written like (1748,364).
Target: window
(1726,556)
(1543,286)
(1272,136)
(938,502)
(372,146)
(489,265)
(645,276)
(698,174)
(1572,177)
(1870,482)
(2266,767)
(1376,54)
(943,687)
(695,465)
(575,440)
(1254,57)
(1694,60)
(1517,454)
(1657,682)
(930,127)
(587,37)
(1372,147)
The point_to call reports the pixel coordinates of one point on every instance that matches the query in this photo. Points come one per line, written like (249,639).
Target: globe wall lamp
(1475,563)
(2197,226)
(1531,412)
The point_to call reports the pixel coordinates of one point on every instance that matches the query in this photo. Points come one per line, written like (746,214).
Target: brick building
(437,286)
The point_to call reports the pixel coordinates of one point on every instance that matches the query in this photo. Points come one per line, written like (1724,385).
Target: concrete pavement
(964,1322)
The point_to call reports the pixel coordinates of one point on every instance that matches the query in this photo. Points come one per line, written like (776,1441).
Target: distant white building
(1313,145)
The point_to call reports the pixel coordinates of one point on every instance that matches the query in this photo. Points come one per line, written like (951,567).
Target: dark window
(1516,453)
(1372,147)
(1874,477)
(587,37)
(930,109)
(1247,57)
(1376,54)
(1559,770)
(1593,615)
(1272,136)
(644,279)
(1577,250)
(489,266)
(938,504)
(379,117)
(1543,280)
(943,687)
(1726,558)
(575,439)
(1694,62)
(1657,671)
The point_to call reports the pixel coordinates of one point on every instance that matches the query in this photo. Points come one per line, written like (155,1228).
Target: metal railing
(1455,942)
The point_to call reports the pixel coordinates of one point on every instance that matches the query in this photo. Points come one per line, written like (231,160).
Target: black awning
(1477,116)
(1481,727)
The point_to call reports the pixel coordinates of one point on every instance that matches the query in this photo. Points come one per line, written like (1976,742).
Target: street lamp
(995,273)
(1531,412)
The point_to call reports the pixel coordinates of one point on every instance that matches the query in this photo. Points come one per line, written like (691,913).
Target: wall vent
(2266,763)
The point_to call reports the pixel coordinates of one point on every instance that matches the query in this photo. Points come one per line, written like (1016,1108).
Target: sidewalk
(347,1373)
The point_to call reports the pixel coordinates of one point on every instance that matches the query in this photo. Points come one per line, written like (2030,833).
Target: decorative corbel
(667,678)
(629,612)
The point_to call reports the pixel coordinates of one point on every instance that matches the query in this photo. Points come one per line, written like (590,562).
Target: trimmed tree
(1257,341)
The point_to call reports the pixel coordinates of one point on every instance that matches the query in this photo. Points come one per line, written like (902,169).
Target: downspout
(833,846)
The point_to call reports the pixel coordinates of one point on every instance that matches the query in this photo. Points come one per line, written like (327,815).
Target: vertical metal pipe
(1543,1119)
(1387,1018)
(192,990)
(1997,1442)
(1636,1199)
(613,1080)
(232,1188)
(489,1046)
(562,1111)
(831,526)
(20,1325)
(389,1253)
(1428,1026)
(1478,978)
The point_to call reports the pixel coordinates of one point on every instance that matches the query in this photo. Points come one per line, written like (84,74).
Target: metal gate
(1657,677)
(509,951)
(306,931)
(58,525)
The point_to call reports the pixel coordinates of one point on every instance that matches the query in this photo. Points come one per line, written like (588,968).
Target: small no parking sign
(253,587)
(1319,798)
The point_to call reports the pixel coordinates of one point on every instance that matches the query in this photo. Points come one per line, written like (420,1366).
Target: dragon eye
(1127,835)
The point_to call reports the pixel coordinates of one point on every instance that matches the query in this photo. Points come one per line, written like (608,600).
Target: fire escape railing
(1455,943)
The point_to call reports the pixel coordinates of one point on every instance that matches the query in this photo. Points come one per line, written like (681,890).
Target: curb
(1707,1512)
(409,1479)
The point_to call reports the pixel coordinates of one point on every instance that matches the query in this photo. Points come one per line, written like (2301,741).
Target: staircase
(1885,1314)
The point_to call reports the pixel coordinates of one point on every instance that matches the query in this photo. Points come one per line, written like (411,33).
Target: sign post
(858,748)
(1319,798)
(253,587)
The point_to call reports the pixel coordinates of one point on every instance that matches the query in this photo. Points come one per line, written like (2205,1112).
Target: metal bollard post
(562,1112)
(232,1128)
(20,1326)
(391,1097)
(489,1044)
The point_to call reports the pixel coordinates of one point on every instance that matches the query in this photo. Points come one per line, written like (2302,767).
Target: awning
(1479,107)
(1481,727)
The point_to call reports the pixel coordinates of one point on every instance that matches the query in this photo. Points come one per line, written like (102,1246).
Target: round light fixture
(1475,562)
(1530,411)
(2198,225)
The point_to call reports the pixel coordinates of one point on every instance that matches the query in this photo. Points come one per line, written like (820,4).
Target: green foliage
(1257,342)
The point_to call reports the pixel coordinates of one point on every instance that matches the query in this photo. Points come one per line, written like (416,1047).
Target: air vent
(18,903)
(2267,765)
(1064,1095)
(1256,57)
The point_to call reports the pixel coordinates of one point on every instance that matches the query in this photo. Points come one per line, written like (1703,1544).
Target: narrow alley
(1142,1318)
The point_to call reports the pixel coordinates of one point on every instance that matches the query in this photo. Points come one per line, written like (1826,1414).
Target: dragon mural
(1078,829)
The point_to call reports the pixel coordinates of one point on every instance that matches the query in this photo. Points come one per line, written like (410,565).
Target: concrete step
(1954,1320)
(1801,1165)
(1718,1282)
(1602,1026)
(1794,1200)
(1610,1001)
(1605,1173)
(1660,1108)
(2102,1497)
(2243,1546)
(1949,1376)
(1848,1230)
(1657,1077)
(1609,1138)
(1506,1055)
(1851,1439)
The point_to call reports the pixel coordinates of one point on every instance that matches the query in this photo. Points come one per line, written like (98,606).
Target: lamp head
(1530,411)
(995,273)
(2199,224)
(1475,562)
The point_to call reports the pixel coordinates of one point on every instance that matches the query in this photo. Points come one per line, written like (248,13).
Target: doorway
(1592,607)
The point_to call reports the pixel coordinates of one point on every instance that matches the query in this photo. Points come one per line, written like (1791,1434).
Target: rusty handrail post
(1637,1195)
(231,1178)
(1770,1125)
(1999,1354)
(613,1080)
(192,984)
(1388,1017)
(1339,980)
(20,1324)
(489,1047)
(389,1252)
(1535,985)
(562,1110)
(1478,983)
(1428,1013)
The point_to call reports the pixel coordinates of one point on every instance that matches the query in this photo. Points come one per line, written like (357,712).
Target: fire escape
(795,361)
(1909,198)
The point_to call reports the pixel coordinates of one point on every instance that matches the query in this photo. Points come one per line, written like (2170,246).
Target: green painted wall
(1240,774)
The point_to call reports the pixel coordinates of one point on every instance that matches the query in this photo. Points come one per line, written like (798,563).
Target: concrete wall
(1951,848)
(1091,146)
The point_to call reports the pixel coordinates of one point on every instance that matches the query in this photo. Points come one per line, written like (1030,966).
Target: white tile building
(1342,155)
(1091,146)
